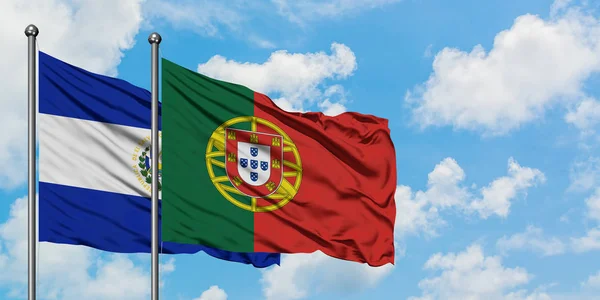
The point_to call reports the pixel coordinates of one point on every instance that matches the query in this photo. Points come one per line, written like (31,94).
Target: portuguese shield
(253,161)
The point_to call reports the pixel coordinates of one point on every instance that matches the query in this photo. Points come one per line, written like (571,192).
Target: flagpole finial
(154,38)
(31,30)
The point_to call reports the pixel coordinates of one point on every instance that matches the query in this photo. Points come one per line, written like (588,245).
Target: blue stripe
(114,222)
(69,91)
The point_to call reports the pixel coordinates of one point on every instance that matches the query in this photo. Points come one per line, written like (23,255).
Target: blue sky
(493,111)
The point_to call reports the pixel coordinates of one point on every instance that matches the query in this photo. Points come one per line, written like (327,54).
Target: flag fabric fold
(271,180)
(94,165)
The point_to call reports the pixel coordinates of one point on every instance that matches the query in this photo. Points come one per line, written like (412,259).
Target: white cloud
(167,267)
(428,51)
(298,78)
(214,18)
(335,97)
(498,91)
(593,206)
(593,282)
(204,16)
(585,174)
(559,6)
(302,274)
(118,278)
(261,42)
(67,271)
(415,214)
(524,295)
(472,275)
(589,242)
(213,293)
(532,239)
(586,116)
(443,184)
(419,211)
(301,11)
(210,18)
(70,30)
(331,109)
(496,196)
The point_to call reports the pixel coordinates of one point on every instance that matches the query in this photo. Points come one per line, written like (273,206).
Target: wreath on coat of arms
(146,169)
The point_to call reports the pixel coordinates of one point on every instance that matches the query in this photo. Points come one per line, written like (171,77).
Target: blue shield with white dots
(244,162)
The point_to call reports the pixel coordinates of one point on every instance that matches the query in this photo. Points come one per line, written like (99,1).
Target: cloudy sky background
(493,109)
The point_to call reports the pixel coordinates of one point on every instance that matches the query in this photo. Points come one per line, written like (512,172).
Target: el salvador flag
(93,130)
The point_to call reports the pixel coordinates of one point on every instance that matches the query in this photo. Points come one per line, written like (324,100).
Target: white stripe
(93,155)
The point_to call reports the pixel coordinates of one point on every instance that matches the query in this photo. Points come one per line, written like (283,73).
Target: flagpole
(154,39)
(31,32)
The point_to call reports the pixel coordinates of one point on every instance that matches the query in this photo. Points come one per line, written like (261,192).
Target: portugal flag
(241,174)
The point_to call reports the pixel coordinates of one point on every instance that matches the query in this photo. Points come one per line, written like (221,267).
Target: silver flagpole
(154,40)
(31,32)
